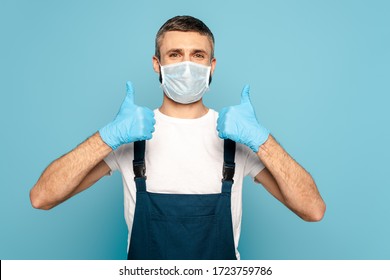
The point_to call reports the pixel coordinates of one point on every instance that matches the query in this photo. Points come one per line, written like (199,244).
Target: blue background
(319,74)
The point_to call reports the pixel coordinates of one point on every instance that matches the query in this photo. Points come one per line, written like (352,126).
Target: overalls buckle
(228,172)
(139,169)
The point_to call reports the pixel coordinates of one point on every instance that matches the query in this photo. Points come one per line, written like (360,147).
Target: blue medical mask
(185,82)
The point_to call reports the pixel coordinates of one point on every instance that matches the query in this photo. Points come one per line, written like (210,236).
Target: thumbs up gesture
(132,123)
(239,123)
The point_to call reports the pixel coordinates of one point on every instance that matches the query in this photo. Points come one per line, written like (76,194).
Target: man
(175,204)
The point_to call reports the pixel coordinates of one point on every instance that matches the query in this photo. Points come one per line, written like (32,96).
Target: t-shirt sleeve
(112,162)
(253,164)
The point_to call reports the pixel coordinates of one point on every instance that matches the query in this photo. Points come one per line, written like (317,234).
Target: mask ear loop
(160,75)
(210,78)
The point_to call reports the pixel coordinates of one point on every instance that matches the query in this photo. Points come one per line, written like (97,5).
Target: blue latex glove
(132,123)
(239,124)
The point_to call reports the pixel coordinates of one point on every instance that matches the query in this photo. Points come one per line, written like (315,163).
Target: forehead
(185,40)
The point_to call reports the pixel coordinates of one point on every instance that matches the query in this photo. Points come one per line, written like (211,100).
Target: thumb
(245,95)
(129,93)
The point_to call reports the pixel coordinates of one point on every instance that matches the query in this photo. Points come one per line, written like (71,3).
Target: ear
(213,64)
(156,64)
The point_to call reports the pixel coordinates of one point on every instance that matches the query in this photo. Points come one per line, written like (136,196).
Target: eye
(174,55)
(199,56)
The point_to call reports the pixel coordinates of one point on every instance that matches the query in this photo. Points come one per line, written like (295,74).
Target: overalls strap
(139,167)
(228,165)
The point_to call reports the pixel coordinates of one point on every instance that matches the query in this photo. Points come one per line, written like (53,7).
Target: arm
(71,173)
(83,166)
(283,177)
(289,182)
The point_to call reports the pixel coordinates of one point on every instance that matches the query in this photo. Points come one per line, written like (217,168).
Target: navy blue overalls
(182,226)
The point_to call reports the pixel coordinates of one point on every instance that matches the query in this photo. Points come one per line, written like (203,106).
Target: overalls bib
(182,226)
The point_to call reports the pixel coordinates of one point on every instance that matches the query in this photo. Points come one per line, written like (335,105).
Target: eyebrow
(199,51)
(175,50)
(182,51)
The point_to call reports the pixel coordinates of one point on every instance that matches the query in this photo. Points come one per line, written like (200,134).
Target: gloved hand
(132,123)
(239,124)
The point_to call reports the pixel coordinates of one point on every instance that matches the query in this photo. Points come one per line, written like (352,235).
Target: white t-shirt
(185,156)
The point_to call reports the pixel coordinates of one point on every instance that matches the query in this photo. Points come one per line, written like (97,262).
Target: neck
(183,111)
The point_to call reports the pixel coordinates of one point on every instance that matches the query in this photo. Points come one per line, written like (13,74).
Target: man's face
(177,46)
